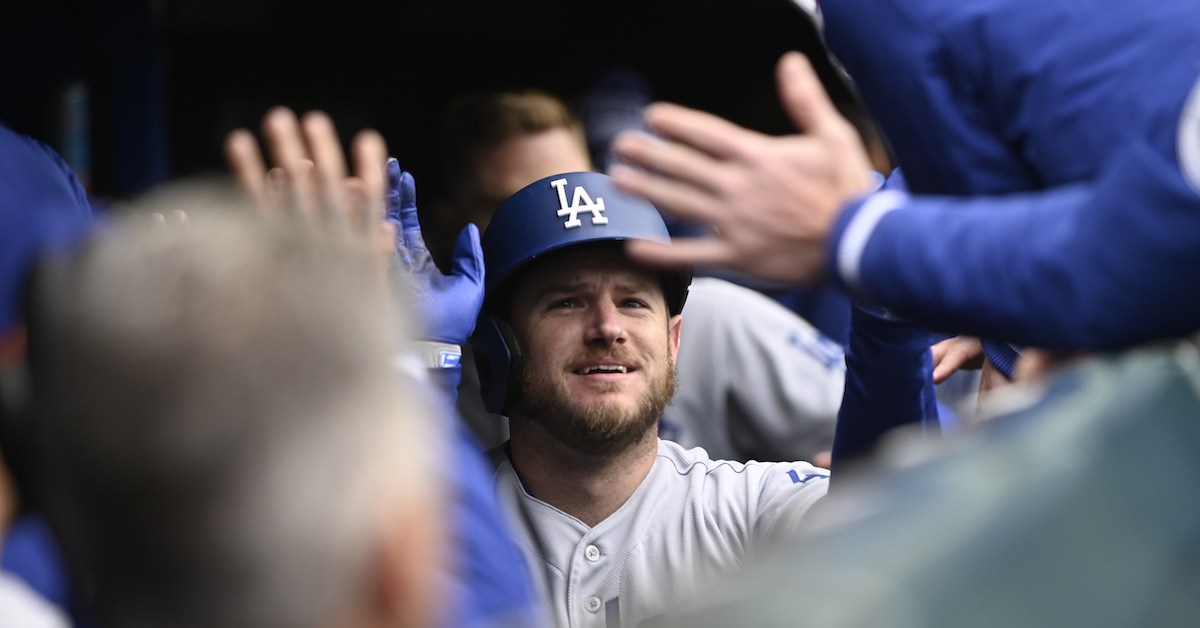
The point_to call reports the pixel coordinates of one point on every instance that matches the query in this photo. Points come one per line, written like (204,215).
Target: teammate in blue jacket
(1062,137)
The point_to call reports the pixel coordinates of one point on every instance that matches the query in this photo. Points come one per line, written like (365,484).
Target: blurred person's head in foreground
(233,444)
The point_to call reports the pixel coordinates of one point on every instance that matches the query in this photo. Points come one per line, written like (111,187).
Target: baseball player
(754,380)
(577,344)
(580,346)
(1093,107)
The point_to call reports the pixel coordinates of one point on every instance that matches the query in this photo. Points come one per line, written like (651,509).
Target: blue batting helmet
(545,216)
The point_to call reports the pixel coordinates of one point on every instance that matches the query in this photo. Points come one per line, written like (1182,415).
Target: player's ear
(674,325)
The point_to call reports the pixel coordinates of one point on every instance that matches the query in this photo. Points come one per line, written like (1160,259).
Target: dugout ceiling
(168,78)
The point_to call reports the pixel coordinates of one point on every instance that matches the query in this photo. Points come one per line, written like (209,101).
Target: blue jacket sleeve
(889,382)
(1092,266)
(492,586)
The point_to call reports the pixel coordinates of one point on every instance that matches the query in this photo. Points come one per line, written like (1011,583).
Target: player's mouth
(605,369)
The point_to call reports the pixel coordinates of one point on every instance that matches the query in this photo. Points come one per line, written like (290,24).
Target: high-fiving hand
(449,304)
(309,176)
(772,200)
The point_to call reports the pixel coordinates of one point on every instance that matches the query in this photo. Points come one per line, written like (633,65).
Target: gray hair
(223,400)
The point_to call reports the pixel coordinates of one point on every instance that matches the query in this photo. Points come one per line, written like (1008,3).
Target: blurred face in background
(502,170)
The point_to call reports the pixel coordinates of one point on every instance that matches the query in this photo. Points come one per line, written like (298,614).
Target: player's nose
(604,324)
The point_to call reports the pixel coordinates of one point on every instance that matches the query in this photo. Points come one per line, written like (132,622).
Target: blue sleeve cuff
(850,234)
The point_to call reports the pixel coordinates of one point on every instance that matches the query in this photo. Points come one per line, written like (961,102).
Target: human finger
(808,105)
(321,138)
(681,253)
(285,144)
(368,151)
(246,163)
(287,148)
(803,96)
(940,349)
(680,199)
(276,190)
(667,158)
(702,131)
(301,191)
(952,354)
(355,206)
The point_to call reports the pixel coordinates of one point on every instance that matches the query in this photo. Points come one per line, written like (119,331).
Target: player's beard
(598,427)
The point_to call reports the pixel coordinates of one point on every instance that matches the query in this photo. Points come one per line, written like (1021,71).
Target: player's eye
(634,303)
(562,304)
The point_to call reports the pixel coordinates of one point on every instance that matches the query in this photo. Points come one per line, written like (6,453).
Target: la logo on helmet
(575,207)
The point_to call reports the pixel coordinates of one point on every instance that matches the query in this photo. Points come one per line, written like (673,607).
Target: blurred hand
(448,304)
(309,176)
(956,353)
(772,200)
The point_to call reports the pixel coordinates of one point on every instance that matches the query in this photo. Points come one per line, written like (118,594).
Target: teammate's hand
(956,353)
(309,177)
(448,304)
(772,200)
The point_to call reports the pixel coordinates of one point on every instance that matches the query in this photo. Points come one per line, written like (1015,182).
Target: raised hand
(772,200)
(310,178)
(449,304)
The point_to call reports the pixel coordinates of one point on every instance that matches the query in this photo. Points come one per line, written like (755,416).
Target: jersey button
(592,604)
(592,553)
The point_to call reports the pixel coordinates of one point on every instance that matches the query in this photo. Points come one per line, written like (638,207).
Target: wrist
(435,355)
(852,230)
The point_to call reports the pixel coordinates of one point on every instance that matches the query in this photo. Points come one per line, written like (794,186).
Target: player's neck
(588,486)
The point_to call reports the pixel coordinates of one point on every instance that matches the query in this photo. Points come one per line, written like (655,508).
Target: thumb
(803,97)
(468,254)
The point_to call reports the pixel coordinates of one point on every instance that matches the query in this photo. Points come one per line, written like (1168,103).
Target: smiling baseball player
(581,343)
(577,345)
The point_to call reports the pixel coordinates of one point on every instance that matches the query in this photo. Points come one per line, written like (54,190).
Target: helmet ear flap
(499,363)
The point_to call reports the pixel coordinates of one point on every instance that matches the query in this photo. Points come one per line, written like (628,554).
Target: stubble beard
(592,428)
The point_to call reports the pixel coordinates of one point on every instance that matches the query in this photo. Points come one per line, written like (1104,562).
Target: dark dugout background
(163,81)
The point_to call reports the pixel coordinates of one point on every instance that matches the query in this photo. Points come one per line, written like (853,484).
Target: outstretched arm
(1097,266)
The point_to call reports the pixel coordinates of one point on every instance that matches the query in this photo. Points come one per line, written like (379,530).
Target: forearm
(889,383)
(1095,266)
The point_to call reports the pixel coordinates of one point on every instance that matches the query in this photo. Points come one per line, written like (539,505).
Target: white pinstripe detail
(1187,141)
(858,232)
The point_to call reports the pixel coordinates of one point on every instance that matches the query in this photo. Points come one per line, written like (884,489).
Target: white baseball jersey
(22,606)
(755,381)
(690,524)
